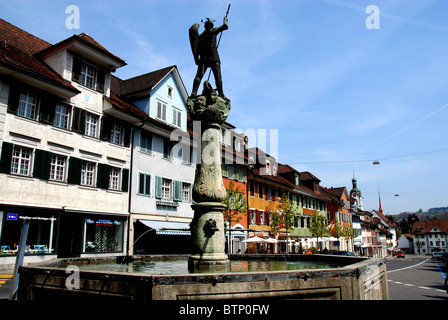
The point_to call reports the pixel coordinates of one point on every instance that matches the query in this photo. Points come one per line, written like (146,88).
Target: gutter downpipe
(130,182)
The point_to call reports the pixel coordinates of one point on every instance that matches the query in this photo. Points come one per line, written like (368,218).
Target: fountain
(211,110)
(209,274)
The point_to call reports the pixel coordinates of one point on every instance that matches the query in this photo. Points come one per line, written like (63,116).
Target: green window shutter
(14,97)
(76,70)
(79,120)
(103,176)
(177,191)
(106,127)
(6,157)
(47,109)
(125,180)
(236,174)
(42,164)
(127,135)
(74,170)
(100,80)
(224,169)
(158,188)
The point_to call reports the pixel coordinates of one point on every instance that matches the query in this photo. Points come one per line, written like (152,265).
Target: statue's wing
(194,41)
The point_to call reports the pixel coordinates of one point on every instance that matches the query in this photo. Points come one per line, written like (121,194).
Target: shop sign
(12,216)
(37,218)
(103,222)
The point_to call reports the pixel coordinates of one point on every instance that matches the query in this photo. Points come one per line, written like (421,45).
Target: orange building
(234,171)
(265,189)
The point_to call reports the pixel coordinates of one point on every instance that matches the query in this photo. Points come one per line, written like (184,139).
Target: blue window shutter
(158,187)
(177,191)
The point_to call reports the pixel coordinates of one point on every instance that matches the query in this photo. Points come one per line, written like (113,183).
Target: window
(145,141)
(88,173)
(114,178)
(21,161)
(61,116)
(170,92)
(91,125)
(186,187)
(144,184)
(103,234)
(260,191)
(253,216)
(262,221)
(116,133)
(167,146)
(161,111)
(57,167)
(87,76)
(177,117)
(251,189)
(230,171)
(166,189)
(28,104)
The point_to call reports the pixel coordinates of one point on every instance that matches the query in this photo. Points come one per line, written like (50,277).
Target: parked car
(342,253)
(400,254)
(437,255)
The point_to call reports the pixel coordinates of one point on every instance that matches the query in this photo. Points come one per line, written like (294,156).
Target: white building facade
(64,163)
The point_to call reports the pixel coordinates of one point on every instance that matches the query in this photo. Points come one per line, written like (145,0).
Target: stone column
(207,227)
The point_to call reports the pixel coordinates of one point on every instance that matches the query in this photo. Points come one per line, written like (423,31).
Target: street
(416,278)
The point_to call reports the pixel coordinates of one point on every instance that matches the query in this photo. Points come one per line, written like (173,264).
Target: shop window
(41,234)
(103,234)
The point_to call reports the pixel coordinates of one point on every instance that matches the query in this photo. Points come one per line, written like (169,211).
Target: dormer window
(88,75)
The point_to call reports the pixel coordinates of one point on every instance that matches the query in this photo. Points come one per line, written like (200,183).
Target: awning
(168,227)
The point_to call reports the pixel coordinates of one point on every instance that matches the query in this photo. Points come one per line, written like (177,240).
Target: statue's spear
(219,40)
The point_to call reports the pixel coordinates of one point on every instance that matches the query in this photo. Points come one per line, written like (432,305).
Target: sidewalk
(5,284)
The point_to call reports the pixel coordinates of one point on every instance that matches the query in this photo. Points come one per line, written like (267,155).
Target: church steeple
(355,193)
(379,199)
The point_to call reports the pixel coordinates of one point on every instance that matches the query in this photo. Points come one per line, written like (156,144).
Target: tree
(318,227)
(236,204)
(285,217)
(348,232)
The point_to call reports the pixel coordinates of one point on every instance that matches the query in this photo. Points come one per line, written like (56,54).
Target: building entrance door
(70,236)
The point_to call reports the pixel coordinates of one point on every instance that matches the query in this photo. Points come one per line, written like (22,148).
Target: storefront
(62,233)
(41,234)
(161,237)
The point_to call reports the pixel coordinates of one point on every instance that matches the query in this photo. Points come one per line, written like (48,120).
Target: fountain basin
(354,279)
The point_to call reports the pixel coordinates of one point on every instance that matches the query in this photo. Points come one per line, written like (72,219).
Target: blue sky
(340,95)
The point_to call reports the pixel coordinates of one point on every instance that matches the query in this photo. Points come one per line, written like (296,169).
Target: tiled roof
(17,52)
(422,227)
(144,82)
(277,179)
(116,101)
(89,41)
(305,175)
(20,39)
